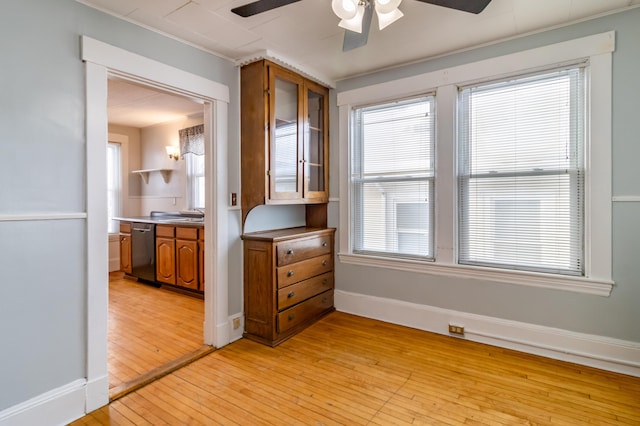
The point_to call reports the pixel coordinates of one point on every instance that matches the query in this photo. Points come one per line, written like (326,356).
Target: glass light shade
(386,6)
(173,151)
(345,9)
(354,24)
(386,19)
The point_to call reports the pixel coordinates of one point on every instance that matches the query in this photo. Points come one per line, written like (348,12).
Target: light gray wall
(617,316)
(42,170)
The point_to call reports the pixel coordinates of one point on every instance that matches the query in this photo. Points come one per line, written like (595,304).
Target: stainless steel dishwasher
(143,251)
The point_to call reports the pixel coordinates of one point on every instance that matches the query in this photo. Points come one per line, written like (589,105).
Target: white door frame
(102,60)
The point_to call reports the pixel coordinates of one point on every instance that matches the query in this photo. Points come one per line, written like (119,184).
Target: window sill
(533,279)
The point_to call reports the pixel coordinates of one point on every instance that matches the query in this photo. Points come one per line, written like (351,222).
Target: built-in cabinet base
(288,281)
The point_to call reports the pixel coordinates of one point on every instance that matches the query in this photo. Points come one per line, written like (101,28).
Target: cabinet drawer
(125,228)
(296,293)
(294,251)
(305,311)
(300,271)
(185,233)
(165,231)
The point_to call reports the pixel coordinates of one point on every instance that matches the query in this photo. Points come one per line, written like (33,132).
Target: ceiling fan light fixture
(345,9)
(354,24)
(386,19)
(386,6)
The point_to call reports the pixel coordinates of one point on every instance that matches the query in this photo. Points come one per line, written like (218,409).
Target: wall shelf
(144,174)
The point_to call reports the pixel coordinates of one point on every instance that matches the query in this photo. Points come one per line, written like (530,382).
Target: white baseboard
(57,407)
(595,351)
(97,393)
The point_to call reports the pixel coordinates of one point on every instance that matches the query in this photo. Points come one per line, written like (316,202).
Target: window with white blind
(392,178)
(507,180)
(195,180)
(114,185)
(521,173)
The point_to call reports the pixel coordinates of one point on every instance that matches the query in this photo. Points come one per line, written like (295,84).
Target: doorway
(102,60)
(152,330)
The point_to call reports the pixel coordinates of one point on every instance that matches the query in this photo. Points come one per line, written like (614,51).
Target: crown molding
(289,64)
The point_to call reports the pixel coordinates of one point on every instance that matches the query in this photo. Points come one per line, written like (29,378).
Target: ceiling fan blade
(471,6)
(352,39)
(260,6)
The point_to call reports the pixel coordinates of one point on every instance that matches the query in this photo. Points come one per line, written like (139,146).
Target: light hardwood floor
(148,328)
(348,370)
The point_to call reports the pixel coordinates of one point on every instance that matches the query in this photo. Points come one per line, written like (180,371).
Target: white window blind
(392,178)
(521,173)
(114,185)
(195,180)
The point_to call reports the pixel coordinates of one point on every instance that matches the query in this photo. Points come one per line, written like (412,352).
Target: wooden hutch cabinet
(288,273)
(285,137)
(288,281)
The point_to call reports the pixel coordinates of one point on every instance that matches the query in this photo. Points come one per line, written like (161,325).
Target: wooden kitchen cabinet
(201,257)
(165,254)
(288,281)
(187,258)
(126,264)
(179,261)
(284,140)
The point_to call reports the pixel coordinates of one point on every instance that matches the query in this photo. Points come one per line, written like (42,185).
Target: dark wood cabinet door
(187,264)
(125,254)
(165,260)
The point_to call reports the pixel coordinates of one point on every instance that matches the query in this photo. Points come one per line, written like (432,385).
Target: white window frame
(192,178)
(116,193)
(597,50)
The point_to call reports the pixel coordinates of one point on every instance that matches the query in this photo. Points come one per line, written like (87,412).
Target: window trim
(597,49)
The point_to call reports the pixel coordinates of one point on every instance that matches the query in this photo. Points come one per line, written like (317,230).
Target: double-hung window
(521,173)
(502,175)
(195,181)
(392,178)
(114,185)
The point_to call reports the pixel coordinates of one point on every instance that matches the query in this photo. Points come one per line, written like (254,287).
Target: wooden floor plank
(149,327)
(348,370)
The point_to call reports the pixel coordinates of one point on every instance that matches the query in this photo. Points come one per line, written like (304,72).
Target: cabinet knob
(325,281)
(290,251)
(291,294)
(324,244)
(290,273)
(291,316)
(324,262)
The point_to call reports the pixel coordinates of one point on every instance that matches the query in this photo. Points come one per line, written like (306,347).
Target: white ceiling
(307,32)
(134,105)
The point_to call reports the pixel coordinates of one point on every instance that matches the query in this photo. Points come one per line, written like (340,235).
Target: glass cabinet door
(285,143)
(314,143)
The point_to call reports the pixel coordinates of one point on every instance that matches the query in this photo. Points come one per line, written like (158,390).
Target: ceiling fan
(357,36)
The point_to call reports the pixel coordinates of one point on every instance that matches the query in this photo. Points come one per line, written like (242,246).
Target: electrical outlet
(456,329)
(236,323)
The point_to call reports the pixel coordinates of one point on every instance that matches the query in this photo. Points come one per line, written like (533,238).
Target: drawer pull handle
(290,251)
(291,294)
(324,262)
(290,273)
(324,244)
(291,316)
(324,300)
(325,281)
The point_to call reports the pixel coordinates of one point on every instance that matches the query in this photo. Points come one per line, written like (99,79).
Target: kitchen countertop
(176,221)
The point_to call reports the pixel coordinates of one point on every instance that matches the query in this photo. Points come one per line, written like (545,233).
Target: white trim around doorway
(102,60)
